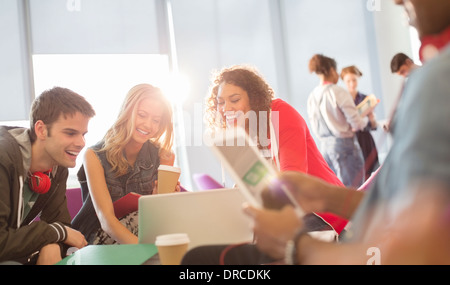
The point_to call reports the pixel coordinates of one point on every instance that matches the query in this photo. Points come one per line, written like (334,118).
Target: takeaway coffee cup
(167,178)
(172,247)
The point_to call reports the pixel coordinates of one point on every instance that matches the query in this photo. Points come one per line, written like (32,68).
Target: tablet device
(249,169)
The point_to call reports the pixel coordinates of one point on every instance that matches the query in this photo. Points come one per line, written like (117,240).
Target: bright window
(103,80)
(415,45)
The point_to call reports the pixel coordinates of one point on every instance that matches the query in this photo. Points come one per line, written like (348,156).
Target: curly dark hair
(246,77)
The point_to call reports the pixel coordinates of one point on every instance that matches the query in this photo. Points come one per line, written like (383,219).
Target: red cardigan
(298,152)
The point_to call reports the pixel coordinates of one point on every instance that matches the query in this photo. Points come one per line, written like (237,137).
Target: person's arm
(315,195)
(274,228)
(292,146)
(310,251)
(51,253)
(345,102)
(102,201)
(418,235)
(390,240)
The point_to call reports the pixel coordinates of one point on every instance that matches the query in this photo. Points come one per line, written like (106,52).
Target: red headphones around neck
(40,182)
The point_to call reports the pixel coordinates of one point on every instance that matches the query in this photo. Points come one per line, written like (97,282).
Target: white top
(338,110)
(172,239)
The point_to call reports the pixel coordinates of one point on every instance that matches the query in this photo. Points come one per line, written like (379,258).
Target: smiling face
(232,103)
(147,121)
(63,140)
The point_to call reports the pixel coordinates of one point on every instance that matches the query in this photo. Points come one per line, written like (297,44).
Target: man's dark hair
(55,102)
(398,60)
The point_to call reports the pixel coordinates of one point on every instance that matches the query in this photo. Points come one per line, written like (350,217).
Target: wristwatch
(290,255)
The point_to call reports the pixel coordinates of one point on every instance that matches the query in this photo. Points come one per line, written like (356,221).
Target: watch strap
(291,248)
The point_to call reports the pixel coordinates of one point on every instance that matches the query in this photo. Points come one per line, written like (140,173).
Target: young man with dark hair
(33,175)
(402,64)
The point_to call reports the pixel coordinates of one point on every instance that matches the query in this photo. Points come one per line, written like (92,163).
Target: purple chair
(206,182)
(74,201)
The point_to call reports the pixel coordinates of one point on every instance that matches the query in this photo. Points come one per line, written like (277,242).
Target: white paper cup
(167,178)
(172,247)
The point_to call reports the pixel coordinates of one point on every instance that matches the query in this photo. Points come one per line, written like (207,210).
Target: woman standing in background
(350,75)
(335,119)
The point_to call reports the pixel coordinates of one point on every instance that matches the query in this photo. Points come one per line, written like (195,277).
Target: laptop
(208,217)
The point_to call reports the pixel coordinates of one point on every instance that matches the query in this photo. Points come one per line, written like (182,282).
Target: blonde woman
(126,160)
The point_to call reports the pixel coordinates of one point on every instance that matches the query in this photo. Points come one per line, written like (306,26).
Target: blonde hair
(121,131)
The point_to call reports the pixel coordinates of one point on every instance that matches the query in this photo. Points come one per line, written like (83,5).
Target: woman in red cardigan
(238,91)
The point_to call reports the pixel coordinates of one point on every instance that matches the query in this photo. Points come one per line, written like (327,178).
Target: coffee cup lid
(169,168)
(171,239)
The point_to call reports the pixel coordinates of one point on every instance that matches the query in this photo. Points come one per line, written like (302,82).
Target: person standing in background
(335,119)
(402,65)
(351,75)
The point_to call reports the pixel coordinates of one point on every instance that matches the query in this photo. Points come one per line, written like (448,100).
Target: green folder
(127,254)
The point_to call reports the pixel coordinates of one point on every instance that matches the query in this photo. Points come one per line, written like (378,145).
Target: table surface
(127,254)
